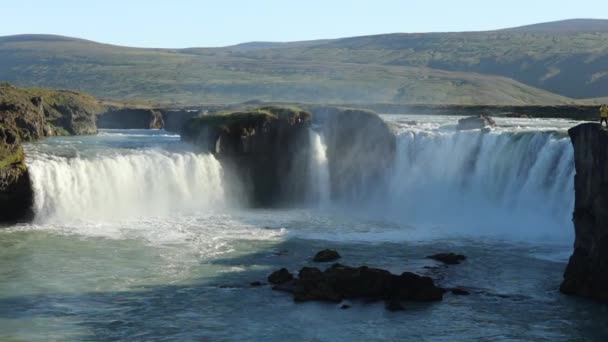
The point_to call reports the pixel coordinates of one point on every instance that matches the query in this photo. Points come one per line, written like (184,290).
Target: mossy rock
(264,147)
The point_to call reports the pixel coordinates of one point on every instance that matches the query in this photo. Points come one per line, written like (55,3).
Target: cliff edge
(587,271)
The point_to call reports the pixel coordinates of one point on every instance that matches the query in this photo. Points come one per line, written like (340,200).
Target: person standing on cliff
(604,115)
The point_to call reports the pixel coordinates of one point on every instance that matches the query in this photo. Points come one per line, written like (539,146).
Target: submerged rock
(448,258)
(280,277)
(460,292)
(340,282)
(326,255)
(587,270)
(476,122)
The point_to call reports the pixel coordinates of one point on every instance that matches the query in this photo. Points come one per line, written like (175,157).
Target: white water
(510,182)
(138,184)
(319,170)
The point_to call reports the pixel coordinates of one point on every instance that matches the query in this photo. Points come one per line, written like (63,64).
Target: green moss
(249,117)
(8,158)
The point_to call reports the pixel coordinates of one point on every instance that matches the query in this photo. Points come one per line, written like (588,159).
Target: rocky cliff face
(131,118)
(16,195)
(266,148)
(28,115)
(587,271)
(176,119)
(360,148)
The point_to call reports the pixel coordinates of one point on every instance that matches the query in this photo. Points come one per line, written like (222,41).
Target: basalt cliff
(29,115)
(268,149)
(587,271)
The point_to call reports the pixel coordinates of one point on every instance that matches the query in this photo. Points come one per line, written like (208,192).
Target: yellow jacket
(604,112)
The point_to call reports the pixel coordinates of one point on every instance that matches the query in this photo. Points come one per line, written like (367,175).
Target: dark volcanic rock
(448,258)
(16,193)
(360,148)
(176,119)
(394,305)
(460,292)
(131,118)
(476,122)
(267,148)
(343,282)
(326,255)
(280,277)
(587,270)
(28,115)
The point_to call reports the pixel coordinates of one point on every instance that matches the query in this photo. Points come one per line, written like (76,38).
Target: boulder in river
(280,277)
(340,282)
(448,258)
(326,255)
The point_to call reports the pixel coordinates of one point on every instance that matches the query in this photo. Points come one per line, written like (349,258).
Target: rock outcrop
(28,115)
(267,148)
(475,122)
(38,112)
(131,118)
(587,271)
(16,194)
(448,258)
(360,148)
(176,119)
(340,282)
(326,255)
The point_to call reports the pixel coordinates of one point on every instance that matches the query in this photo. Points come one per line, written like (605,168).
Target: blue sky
(184,23)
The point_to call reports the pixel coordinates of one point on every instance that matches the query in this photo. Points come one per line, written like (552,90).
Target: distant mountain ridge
(569,25)
(548,63)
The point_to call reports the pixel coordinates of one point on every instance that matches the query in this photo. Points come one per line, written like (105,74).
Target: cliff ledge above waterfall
(587,271)
(265,147)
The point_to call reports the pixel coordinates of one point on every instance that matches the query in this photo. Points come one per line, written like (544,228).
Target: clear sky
(186,23)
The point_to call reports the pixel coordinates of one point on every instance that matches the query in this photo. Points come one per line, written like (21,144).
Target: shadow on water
(514,296)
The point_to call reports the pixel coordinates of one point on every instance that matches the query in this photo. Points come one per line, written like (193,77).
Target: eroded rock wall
(587,270)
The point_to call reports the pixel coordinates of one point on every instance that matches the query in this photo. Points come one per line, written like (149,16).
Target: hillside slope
(497,67)
(568,58)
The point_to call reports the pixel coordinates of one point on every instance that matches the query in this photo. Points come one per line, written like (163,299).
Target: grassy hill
(518,66)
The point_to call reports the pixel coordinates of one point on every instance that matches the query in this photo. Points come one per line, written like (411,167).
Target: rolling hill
(538,64)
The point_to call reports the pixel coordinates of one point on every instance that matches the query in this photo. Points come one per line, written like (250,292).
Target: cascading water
(518,184)
(319,170)
(132,185)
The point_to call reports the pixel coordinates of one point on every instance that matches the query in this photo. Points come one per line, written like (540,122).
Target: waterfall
(517,182)
(146,183)
(319,170)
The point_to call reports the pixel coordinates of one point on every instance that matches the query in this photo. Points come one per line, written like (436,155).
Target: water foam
(319,170)
(137,184)
(506,183)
